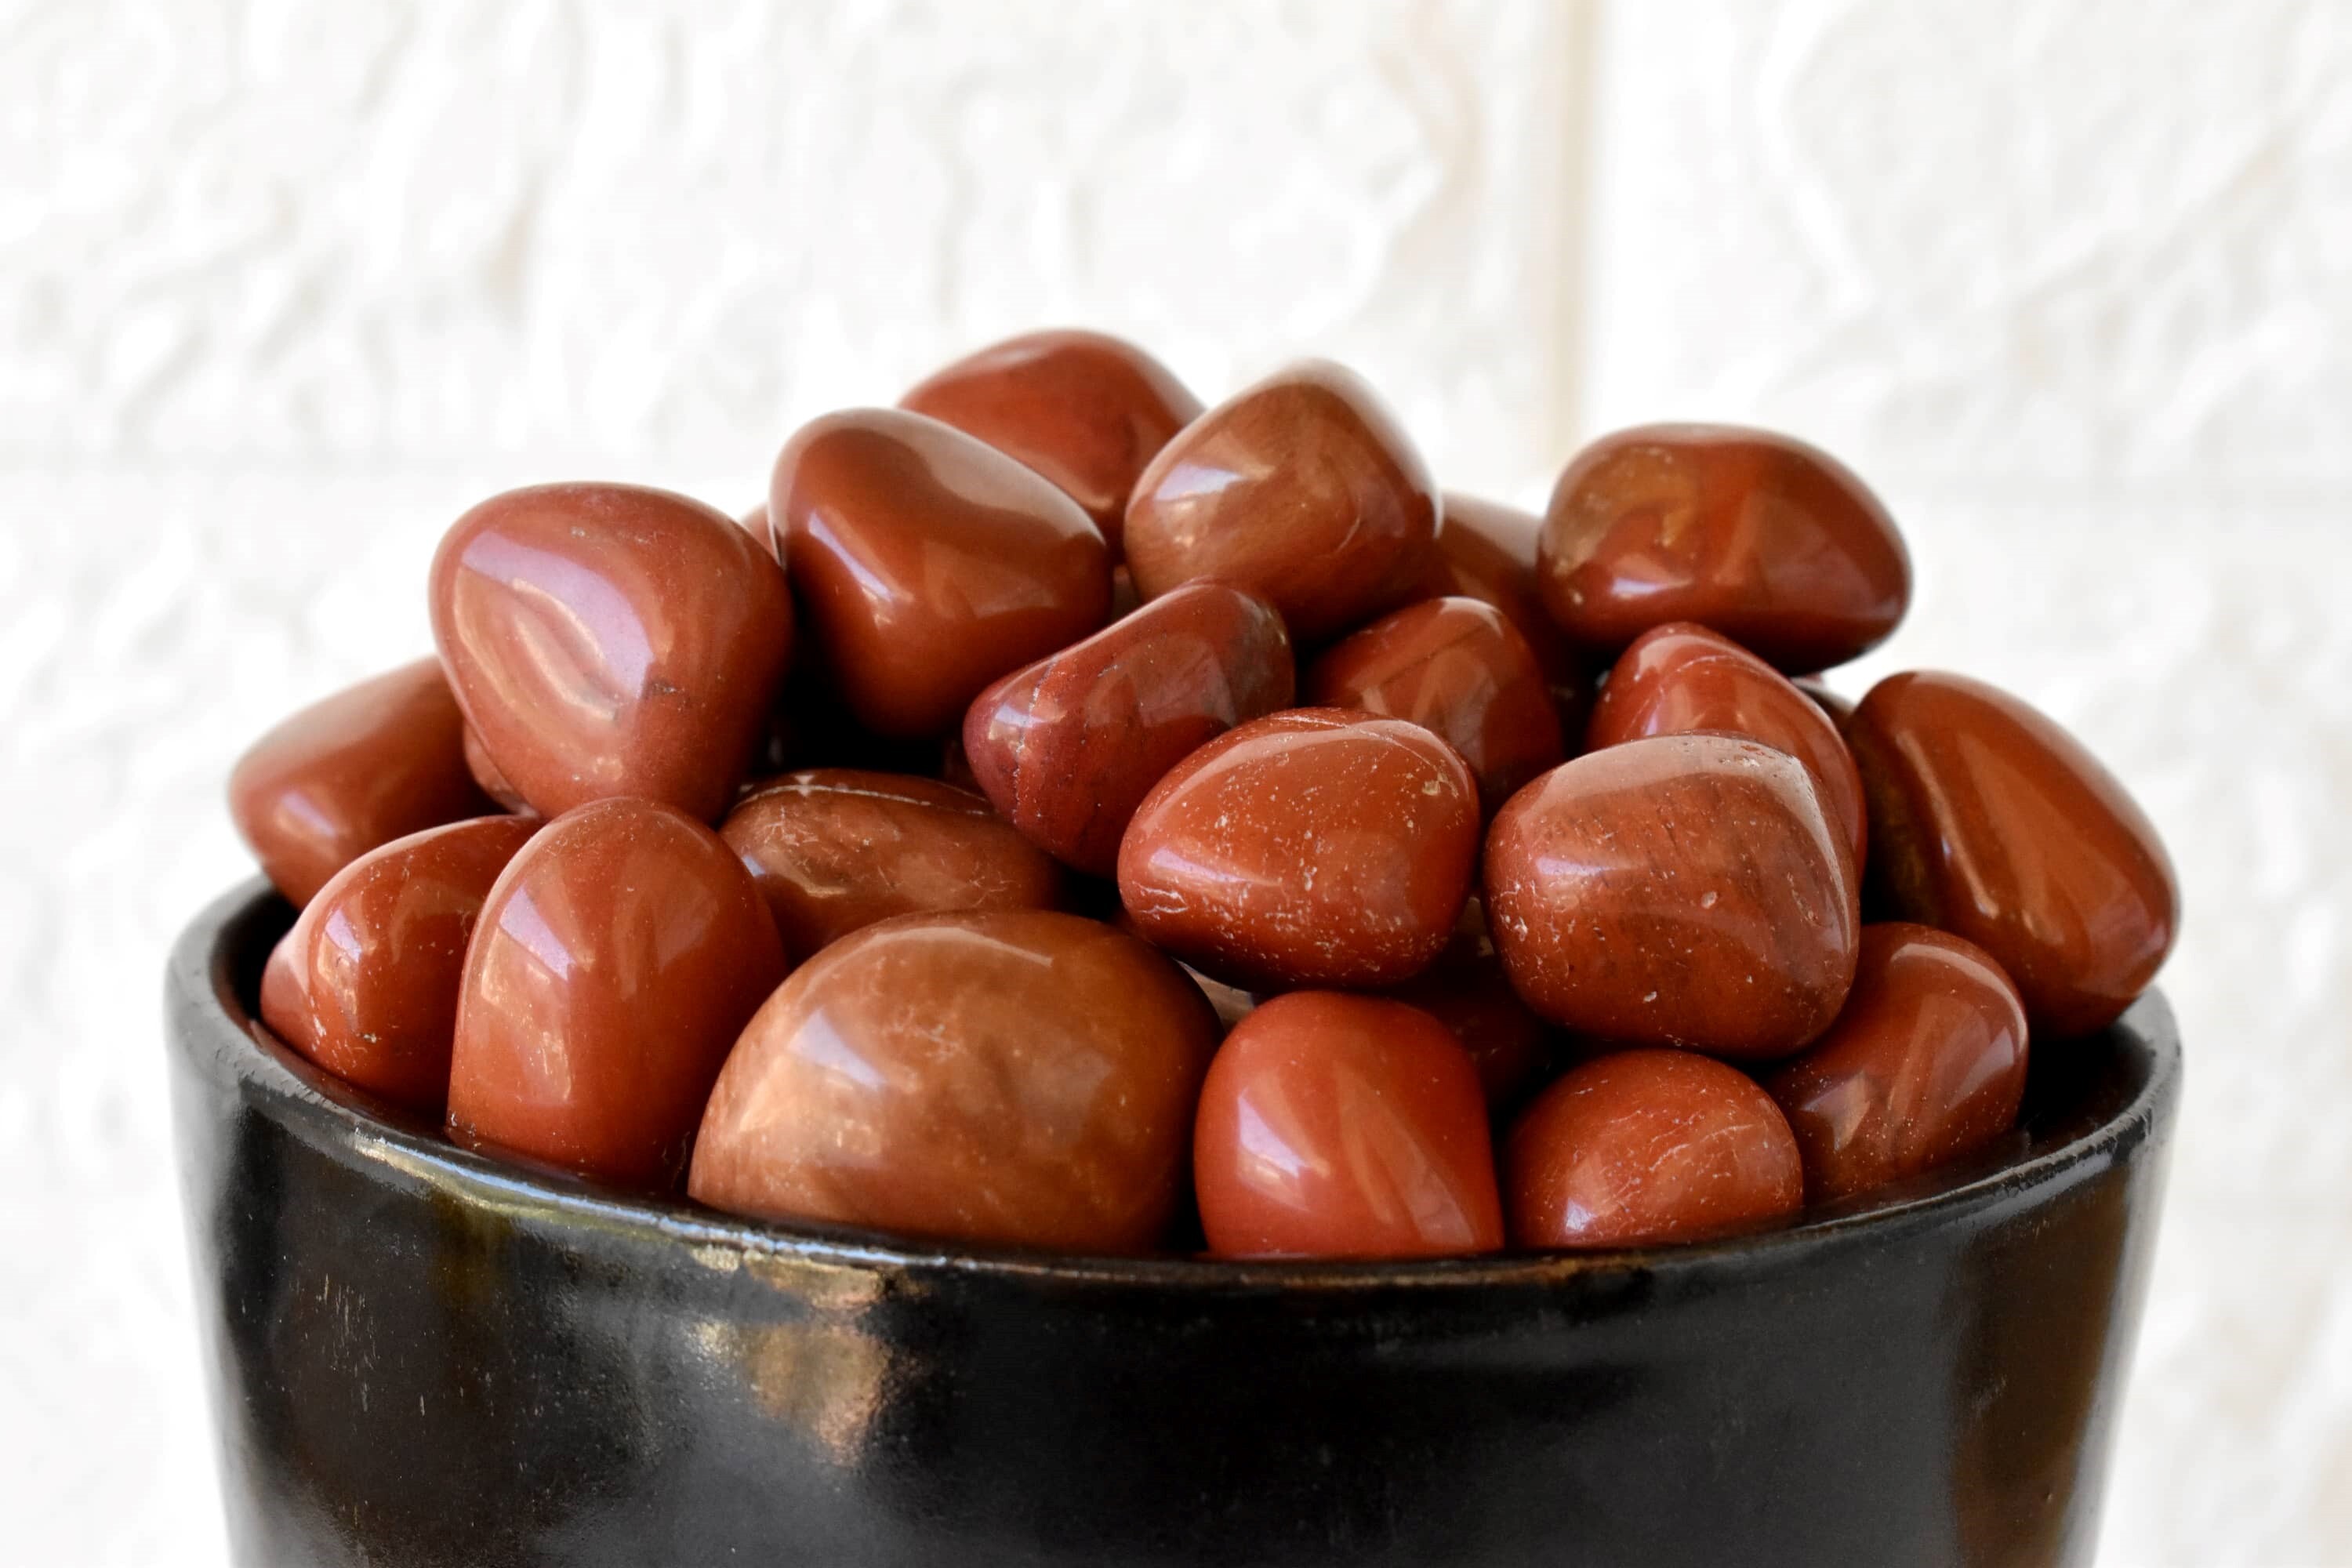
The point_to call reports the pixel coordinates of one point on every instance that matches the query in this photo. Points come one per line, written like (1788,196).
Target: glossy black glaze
(420,1357)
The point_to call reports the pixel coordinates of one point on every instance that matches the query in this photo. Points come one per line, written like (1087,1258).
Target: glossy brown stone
(1645,1148)
(493,783)
(1836,704)
(607,640)
(1338,1126)
(1992,822)
(1680,677)
(613,965)
(1316,847)
(1772,542)
(1681,890)
(1084,409)
(1466,990)
(1486,551)
(1068,747)
(1302,489)
(928,564)
(374,762)
(1926,1064)
(1456,666)
(1018,1077)
(835,849)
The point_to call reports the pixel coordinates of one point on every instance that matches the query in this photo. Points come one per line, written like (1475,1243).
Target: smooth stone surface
(1990,821)
(1021,1077)
(613,965)
(1340,1126)
(835,849)
(1646,1148)
(1926,1064)
(928,564)
(1301,487)
(1680,677)
(1486,551)
(1068,747)
(1316,847)
(366,983)
(374,762)
(1456,666)
(1466,990)
(1681,890)
(1084,409)
(1836,704)
(485,770)
(1772,542)
(607,640)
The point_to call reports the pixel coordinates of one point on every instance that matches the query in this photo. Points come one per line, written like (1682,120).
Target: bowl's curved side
(419,1358)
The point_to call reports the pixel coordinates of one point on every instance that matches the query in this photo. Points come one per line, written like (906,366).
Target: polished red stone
(1338,1126)
(1770,542)
(1926,1064)
(1466,990)
(1302,489)
(1679,677)
(1457,667)
(1018,1077)
(1083,409)
(1068,747)
(1836,704)
(1645,1148)
(366,983)
(607,640)
(836,850)
(493,783)
(928,564)
(1316,846)
(1486,551)
(1992,822)
(1681,890)
(374,762)
(612,967)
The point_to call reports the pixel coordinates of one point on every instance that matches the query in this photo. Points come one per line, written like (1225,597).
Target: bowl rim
(210,1024)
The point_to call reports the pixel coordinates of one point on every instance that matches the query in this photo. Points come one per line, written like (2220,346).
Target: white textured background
(284,287)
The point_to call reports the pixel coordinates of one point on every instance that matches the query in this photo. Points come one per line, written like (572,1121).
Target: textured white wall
(284,287)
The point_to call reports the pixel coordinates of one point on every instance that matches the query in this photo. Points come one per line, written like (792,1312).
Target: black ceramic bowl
(421,1357)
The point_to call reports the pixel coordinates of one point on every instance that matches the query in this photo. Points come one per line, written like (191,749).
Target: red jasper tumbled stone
(928,564)
(1926,1064)
(1680,890)
(1316,846)
(1457,667)
(366,983)
(1338,1126)
(613,965)
(1486,551)
(1068,747)
(1643,1147)
(1466,990)
(1679,677)
(836,850)
(1772,542)
(608,640)
(1302,489)
(1019,1078)
(1084,409)
(351,772)
(1990,821)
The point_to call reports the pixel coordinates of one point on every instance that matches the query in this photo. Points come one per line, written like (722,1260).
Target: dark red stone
(1486,551)
(1466,990)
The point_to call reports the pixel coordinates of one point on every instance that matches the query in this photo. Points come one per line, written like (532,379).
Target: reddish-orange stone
(1681,678)
(493,783)
(366,983)
(1772,542)
(1457,667)
(1086,410)
(1301,488)
(353,772)
(1644,1148)
(928,564)
(1316,847)
(1019,1078)
(1068,747)
(1486,551)
(1337,1126)
(1926,1064)
(1992,822)
(835,849)
(613,965)
(1466,991)
(607,640)
(1680,890)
